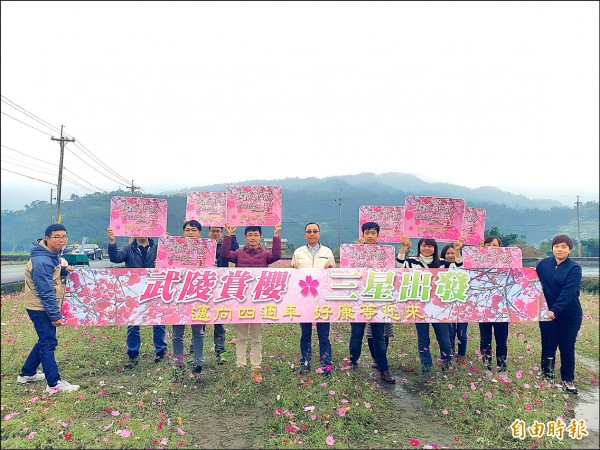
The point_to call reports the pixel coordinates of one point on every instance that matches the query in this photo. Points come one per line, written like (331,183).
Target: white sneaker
(64,386)
(28,378)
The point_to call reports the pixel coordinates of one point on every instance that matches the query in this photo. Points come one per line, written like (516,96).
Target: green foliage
(508,240)
(313,200)
(222,408)
(589,247)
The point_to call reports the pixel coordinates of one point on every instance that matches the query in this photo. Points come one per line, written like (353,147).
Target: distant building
(269,244)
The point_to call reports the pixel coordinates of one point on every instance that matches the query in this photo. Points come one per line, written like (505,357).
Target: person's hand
(70,268)
(330,266)
(551,315)
(230,230)
(277,230)
(457,245)
(111,236)
(360,240)
(405,243)
(58,323)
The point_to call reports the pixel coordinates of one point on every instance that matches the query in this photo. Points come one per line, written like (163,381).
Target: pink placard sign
(473,226)
(115,296)
(438,218)
(389,218)
(208,208)
(138,216)
(369,255)
(179,251)
(492,257)
(254,205)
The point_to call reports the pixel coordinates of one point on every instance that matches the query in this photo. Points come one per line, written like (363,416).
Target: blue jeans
(357,331)
(134,341)
(197,342)
(442,334)
(324,343)
(43,350)
(485,343)
(219,337)
(459,330)
(560,333)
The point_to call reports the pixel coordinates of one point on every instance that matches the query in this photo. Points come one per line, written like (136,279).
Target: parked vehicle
(93,251)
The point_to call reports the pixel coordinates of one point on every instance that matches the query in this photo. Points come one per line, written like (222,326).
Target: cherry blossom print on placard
(373,256)
(438,218)
(208,208)
(254,205)
(492,257)
(179,251)
(473,226)
(273,295)
(389,218)
(138,216)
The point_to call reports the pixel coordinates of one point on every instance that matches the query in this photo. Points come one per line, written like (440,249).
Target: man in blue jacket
(44,294)
(140,254)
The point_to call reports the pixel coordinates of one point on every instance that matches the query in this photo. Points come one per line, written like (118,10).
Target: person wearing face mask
(427,257)
(561,281)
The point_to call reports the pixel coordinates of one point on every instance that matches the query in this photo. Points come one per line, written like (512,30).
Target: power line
(26,176)
(30,126)
(29,114)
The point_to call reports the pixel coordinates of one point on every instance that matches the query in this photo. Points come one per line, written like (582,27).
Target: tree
(508,240)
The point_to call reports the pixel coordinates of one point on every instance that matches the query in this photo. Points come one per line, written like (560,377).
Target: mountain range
(332,202)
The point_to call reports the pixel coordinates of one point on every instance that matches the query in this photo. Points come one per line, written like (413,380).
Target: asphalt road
(14,273)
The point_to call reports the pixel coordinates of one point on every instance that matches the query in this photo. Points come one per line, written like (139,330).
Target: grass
(159,406)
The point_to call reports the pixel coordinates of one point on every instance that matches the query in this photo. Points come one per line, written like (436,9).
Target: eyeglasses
(60,238)
(312,231)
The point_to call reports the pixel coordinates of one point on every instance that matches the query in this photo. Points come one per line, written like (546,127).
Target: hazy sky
(175,95)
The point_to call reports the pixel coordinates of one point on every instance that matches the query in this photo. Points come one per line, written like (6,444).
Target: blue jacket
(43,286)
(561,285)
(234,246)
(132,256)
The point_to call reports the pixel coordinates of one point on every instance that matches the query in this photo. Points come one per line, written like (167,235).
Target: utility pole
(51,198)
(61,141)
(340,223)
(132,187)
(578,229)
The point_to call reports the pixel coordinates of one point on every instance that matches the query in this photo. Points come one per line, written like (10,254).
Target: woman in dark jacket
(561,281)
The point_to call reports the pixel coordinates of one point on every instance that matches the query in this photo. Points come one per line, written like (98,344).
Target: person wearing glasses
(140,254)
(44,294)
(250,255)
(191,229)
(314,255)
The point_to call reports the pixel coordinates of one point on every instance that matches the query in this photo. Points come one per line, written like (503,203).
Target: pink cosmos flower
(309,285)
(329,440)
(309,408)
(124,433)
(341,412)
(415,442)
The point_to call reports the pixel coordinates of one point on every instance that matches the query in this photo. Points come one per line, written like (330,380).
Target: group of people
(559,275)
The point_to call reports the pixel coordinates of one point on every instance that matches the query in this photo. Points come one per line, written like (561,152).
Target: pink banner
(389,218)
(208,208)
(191,253)
(492,257)
(138,216)
(438,218)
(369,255)
(235,295)
(473,226)
(254,205)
